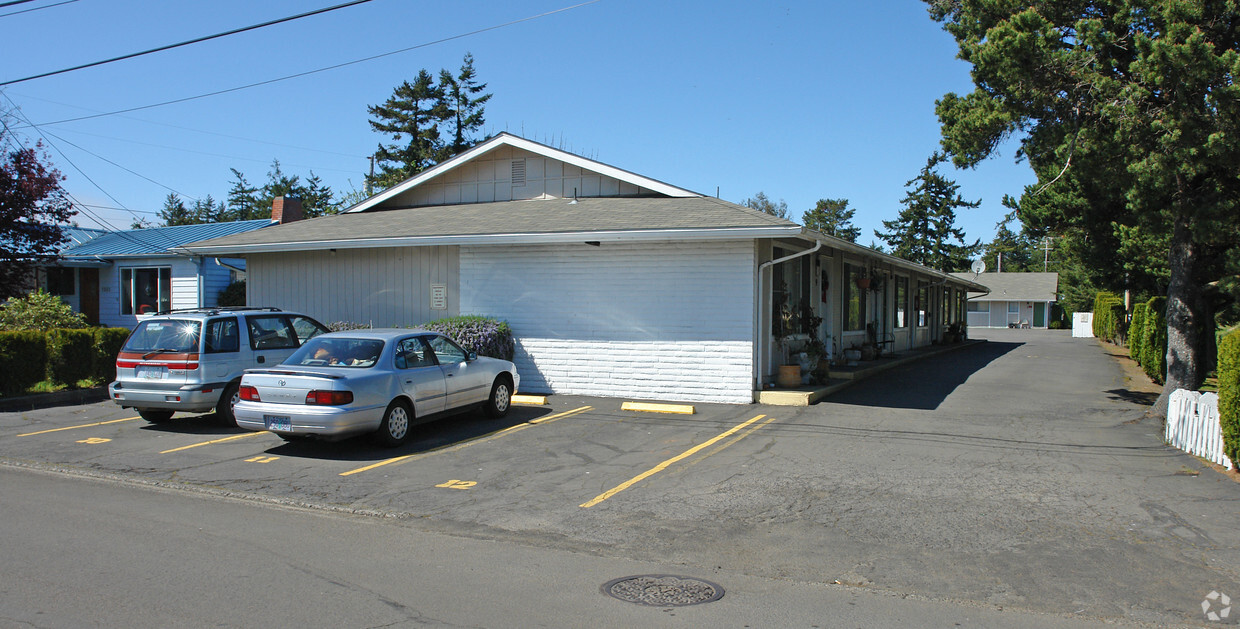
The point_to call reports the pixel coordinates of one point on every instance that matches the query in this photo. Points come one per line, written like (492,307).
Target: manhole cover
(662,590)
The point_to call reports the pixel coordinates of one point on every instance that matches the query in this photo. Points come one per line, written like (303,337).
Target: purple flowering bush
(481,335)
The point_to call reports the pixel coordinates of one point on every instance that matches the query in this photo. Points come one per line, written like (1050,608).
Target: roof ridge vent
(518,172)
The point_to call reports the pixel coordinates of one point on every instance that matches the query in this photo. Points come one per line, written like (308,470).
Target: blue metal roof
(157,240)
(78,235)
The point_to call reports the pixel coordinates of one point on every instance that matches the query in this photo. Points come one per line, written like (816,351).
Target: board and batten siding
(386,287)
(662,321)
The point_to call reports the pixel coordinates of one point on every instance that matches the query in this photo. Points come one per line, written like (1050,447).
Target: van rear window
(165,335)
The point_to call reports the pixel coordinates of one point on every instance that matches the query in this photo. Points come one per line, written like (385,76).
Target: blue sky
(801,100)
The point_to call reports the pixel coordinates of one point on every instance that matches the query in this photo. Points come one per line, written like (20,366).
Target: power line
(132,172)
(324,69)
(9,4)
(46,6)
(184,43)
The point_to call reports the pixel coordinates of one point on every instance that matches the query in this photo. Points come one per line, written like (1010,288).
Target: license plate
(151,373)
(278,422)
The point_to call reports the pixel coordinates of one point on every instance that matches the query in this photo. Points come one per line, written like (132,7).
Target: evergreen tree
(247,202)
(174,212)
(243,200)
(832,217)
(208,210)
(464,102)
(410,115)
(761,203)
(925,231)
(1129,103)
(1010,252)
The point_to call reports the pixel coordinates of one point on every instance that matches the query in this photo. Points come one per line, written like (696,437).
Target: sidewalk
(841,376)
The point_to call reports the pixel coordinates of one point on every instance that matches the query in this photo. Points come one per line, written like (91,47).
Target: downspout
(762,326)
(202,280)
(229,266)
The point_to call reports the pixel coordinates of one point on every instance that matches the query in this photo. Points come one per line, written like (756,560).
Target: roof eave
(852,247)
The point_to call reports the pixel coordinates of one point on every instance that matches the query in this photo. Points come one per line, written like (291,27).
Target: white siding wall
(383,287)
(648,321)
(490,178)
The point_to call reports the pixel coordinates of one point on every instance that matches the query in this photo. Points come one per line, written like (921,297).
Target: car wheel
(228,399)
(501,398)
(397,420)
(156,417)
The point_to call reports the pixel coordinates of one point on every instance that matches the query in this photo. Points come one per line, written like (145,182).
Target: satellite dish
(978,267)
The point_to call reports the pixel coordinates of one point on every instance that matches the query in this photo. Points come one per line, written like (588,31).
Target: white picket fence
(1193,425)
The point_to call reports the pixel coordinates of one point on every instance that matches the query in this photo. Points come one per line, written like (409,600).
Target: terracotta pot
(863,282)
(789,376)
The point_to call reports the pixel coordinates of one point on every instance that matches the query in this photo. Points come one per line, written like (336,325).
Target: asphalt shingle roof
(533,217)
(1017,286)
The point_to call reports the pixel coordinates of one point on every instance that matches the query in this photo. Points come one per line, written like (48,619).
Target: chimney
(286,210)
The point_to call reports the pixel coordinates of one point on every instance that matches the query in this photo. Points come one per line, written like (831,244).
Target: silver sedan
(372,381)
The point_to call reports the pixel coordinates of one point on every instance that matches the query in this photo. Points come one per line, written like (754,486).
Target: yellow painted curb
(539,400)
(683,409)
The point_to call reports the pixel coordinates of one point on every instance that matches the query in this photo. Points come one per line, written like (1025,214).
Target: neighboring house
(116,277)
(1014,299)
(614,284)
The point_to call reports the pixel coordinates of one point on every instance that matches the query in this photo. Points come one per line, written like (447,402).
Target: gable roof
(509,222)
(1016,286)
(507,139)
(156,241)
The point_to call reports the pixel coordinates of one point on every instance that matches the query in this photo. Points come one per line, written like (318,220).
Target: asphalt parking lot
(1018,473)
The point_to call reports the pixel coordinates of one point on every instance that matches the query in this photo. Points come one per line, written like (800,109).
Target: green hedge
(1229,394)
(481,335)
(60,356)
(1154,345)
(1136,331)
(1109,317)
(23,361)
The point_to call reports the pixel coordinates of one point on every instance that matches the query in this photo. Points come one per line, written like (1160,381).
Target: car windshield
(165,336)
(337,352)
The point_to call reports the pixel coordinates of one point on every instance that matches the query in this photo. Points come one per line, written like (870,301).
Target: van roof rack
(217,310)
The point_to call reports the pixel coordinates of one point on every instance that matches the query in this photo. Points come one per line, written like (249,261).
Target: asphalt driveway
(1015,473)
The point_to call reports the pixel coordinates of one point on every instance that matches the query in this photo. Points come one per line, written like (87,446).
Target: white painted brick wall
(662,321)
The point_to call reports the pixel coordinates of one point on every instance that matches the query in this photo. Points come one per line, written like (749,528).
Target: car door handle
(262,359)
(408,382)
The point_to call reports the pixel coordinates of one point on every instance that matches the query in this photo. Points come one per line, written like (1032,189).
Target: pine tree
(761,203)
(1016,250)
(464,107)
(242,199)
(412,114)
(174,212)
(925,231)
(832,217)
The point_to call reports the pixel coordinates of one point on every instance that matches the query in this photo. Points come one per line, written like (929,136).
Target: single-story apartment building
(1013,300)
(614,284)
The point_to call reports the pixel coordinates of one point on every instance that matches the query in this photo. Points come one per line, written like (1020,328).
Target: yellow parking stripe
(207,443)
(460,446)
(44,432)
(664,465)
(646,407)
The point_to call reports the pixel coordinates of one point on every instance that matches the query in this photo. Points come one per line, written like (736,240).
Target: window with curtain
(901,302)
(854,299)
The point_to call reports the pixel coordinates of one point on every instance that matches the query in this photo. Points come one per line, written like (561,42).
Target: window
(854,298)
(446,351)
(412,353)
(271,332)
(306,329)
(979,306)
(146,290)
(790,286)
(923,304)
(60,281)
(1014,307)
(901,302)
(170,336)
(223,336)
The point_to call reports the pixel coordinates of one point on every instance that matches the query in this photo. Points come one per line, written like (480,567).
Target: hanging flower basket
(863,282)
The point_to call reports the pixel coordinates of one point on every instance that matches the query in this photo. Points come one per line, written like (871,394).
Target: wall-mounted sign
(439,296)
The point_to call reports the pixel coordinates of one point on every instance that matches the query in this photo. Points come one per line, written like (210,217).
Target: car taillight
(249,393)
(126,364)
(329,398)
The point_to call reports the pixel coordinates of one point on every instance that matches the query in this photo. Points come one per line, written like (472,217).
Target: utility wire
(46,6)
(332,67)
(134,173)
(9,4)
(184,43)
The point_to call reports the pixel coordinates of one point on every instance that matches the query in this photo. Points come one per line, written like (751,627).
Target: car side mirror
(473,356)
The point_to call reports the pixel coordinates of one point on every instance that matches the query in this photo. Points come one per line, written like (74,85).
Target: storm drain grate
(663,590)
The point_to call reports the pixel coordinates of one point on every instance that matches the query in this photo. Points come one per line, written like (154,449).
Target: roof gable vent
(518,172)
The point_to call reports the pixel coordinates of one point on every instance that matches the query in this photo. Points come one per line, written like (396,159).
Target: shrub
(232,295)
(1136,331)
(23,360)
(482,335)
(107,344)
(340,326)
(1056,324)
(1154,347)
(69,355)
(1229,394)
(38,311)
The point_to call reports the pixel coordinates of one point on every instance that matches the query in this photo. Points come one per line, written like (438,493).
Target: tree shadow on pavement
(923,385)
